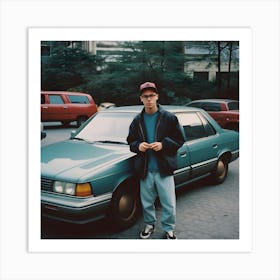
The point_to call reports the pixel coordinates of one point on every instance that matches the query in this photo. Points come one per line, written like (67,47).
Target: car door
(55,108)
(201,143)
(182,174)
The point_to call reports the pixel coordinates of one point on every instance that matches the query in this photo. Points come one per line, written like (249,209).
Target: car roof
(64,92)
(214,100)
(138,109)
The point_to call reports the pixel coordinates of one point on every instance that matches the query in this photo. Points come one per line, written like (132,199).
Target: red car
(66,107)
(224,111)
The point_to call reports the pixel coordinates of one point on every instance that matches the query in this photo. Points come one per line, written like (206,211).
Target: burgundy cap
(147,85)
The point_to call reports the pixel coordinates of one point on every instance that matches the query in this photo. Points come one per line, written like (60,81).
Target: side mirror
(72,135)
(43,134)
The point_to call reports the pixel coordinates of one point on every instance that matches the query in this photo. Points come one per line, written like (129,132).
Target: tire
(81,120)
(65,123)
(220,172)
(125,205)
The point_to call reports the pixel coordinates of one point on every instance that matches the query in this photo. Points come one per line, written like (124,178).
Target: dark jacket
(168,132)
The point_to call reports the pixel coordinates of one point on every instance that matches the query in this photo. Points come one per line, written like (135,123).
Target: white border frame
(243,35)
(263,17)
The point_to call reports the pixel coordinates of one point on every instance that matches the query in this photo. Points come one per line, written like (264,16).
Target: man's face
(149,98)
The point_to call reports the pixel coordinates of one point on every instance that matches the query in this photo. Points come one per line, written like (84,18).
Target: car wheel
(81,120)
(125,205)
(65,123)
(220,172)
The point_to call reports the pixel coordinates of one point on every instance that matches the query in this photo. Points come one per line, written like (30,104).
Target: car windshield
(233,105)
(107,127)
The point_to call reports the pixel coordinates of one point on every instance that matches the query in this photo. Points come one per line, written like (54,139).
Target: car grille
(46,184)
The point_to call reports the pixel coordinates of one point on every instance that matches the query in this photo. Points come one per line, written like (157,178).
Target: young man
(155,136)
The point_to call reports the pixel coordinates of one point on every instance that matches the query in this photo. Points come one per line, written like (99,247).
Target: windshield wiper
(99,141)
(81,139)
(111,142)
(78,138)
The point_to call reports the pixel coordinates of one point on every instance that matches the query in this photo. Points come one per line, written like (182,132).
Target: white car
(105,105)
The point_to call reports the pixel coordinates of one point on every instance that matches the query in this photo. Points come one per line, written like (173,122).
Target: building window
(201,75)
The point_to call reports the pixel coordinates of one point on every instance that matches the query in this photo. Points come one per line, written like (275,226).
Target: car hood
(75,160)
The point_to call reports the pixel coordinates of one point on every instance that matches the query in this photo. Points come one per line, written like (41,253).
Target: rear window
(43,99)
(233,105)
(207,106)
(196,105)
(211,106)
(56,99)
(80,99)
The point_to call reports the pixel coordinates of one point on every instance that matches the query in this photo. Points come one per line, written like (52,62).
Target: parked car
(224,111)
(66,107)
(105,105)
(91,174)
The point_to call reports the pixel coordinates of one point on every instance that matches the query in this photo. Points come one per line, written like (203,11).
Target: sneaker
(170,235)
(147,232)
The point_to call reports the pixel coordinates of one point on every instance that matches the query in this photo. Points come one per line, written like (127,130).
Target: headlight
(64,187)
(72,189)
(58,187)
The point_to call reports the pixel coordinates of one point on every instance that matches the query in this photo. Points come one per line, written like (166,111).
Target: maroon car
(66,107)
(224,111)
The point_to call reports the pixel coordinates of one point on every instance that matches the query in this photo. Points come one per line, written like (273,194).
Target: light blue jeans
(163,186)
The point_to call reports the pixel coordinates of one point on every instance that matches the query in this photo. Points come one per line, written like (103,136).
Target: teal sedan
(90,175)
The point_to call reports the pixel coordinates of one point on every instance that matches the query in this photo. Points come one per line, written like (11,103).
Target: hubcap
(126,206)
(221,169)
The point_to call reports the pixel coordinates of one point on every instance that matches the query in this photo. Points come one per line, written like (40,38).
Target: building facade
(206,60)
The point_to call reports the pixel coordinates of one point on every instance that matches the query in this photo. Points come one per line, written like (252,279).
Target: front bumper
(73,209)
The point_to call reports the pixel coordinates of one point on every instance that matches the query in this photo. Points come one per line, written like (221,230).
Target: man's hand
(144,146)
(156,146)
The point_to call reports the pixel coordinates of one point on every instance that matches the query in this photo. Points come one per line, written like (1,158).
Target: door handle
(183,154)
(214,146)
(45,107)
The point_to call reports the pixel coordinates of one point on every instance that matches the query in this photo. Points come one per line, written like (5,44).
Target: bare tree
(224,51)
